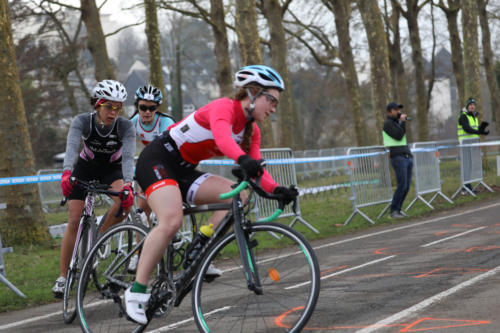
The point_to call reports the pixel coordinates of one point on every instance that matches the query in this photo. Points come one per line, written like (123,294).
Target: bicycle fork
(245,246)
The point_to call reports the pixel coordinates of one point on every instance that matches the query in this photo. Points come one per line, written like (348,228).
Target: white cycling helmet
(110,90)
(260,74)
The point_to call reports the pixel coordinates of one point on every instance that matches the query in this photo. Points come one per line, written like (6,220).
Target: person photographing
(394,137)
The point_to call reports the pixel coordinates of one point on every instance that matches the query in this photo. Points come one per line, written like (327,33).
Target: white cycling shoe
(135,304)
(132,266)
(213,271)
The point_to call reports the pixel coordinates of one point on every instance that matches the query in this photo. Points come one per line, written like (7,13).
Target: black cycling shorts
(88,171)
(158,167)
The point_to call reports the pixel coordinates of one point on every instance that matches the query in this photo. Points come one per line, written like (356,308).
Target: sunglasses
(270,98)
(110,107)
(146,108)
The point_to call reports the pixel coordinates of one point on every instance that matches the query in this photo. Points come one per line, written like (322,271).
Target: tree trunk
(457,59)
(22,221)
(177,104)
(96,43)
(153,37)
(489,63)
(342,13)
(399,80)
(471,53)
(471,58)
(221,48)
(70,94)
(411,16)
(249,43)
(289,127)
(379,60)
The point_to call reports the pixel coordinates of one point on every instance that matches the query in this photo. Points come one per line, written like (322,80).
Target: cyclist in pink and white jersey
(166,168)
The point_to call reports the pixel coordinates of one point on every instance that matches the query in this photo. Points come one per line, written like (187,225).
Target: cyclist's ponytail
(241,94)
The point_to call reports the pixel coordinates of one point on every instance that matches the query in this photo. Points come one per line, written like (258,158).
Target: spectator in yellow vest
(469,128)
(394,135)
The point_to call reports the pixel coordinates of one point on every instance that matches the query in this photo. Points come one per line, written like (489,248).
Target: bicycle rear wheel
(69,298)
(289,275)
(100,305)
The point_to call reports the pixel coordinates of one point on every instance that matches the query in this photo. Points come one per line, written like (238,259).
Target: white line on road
(454,236)
(30,320)
(185,321)
(344,271)
(427,302)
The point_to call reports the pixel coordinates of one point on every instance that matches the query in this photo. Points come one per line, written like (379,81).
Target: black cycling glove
(252,167)
(287,193)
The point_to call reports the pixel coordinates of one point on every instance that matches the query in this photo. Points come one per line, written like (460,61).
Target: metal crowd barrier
(283,174)
(370,179)
(3,279)
(471,167)
(50,192)
(426,173)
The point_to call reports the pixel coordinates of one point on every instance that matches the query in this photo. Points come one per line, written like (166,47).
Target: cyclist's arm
(73,141)
(128,140)
(267,182)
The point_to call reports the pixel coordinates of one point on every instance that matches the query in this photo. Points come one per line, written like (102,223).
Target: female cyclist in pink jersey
(166,168)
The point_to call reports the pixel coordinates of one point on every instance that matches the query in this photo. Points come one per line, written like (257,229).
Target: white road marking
(427,302)
(185,321)
(344,271)
(451,237)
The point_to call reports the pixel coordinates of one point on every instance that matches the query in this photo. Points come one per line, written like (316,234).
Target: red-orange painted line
(464,270)
(464,226)
(333,269)
(439,233)
(462,323)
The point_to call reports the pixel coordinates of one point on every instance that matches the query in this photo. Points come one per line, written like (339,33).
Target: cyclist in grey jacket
(107,156)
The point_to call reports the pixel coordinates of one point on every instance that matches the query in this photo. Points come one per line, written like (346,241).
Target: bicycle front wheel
(69,298)
(289,276)
(105,276)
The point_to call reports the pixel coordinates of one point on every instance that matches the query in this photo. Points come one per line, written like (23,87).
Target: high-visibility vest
(473,123)
(389,141)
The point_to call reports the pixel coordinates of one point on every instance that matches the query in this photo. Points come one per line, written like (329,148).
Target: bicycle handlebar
(95,188)
(244,182)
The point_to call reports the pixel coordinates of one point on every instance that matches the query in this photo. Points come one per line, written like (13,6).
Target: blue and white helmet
(260,74)
(110,90)
(149,93)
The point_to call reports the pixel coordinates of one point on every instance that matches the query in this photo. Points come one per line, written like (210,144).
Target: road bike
(87,233)
(268,284)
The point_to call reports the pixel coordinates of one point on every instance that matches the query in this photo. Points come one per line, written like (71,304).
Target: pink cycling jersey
(217,129)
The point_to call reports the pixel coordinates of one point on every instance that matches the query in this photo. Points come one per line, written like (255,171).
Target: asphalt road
(433,274)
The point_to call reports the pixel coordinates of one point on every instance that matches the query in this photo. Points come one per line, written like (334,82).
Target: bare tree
(22,221)
(153,37)
(451,12)
(379,59)
(96,40)
(399,79)
(342,12)
(215,18)
(290,128)
(411,15)
(488,59)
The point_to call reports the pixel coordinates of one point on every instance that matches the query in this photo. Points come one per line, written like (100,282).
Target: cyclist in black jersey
(107,156)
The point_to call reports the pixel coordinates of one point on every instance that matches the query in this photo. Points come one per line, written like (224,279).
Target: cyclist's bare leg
(142,204)
(75,208)
(209,192)
(166,202)
(111,220)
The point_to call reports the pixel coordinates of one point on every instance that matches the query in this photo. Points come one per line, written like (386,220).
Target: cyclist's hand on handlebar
(252,167)
(288,194)
(127,196)
(66,184)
